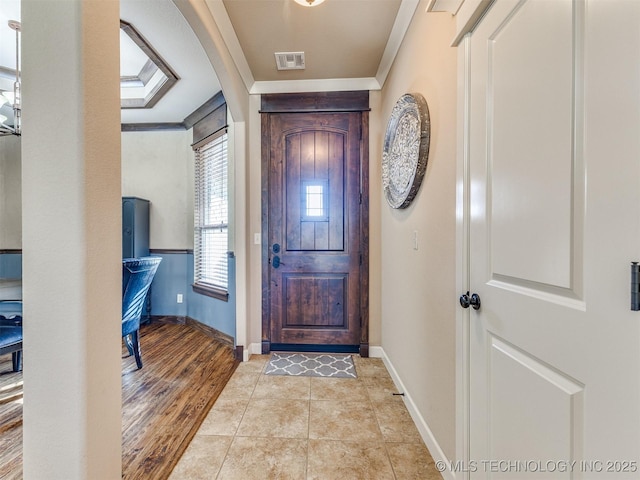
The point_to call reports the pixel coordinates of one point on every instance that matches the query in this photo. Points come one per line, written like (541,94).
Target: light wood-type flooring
(163,404)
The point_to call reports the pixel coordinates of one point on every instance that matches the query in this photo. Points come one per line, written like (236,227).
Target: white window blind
(211,214)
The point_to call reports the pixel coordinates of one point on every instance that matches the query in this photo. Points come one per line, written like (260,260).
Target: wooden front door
(554,361)
(314,244)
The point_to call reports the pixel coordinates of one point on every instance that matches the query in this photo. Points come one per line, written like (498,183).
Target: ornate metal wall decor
(406,149)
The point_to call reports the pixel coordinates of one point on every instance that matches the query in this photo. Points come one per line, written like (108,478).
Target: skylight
(144,75)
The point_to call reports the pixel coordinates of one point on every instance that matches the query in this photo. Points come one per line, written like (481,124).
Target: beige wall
(10,193)
(158,166)
(418,294)
(71,240)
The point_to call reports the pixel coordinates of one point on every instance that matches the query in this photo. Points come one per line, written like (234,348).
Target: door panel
(314,229)
(528,396)
(531,227)
(554,370)
(314,214)
(315,300)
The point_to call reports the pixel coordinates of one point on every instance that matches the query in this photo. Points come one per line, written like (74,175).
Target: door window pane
(315,201)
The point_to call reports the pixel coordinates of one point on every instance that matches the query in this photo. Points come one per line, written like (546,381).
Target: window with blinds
(211,215)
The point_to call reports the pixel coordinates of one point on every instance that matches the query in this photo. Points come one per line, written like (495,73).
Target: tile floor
(283,427)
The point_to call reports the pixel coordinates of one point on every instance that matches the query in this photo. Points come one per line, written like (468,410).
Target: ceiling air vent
(290,60)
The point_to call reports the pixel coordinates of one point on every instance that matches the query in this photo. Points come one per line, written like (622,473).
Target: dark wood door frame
(318,102)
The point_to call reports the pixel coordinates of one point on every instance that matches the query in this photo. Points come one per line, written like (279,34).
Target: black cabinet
(135,237)
(135,227)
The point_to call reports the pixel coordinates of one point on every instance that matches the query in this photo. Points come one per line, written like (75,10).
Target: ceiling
(335,46)
(348,45)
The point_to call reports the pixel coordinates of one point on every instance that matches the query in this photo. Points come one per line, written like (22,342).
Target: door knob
(475,301)
(465,301)
(472,300)
(275,262)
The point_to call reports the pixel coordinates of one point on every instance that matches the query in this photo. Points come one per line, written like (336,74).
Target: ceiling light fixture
(309,3)
(12,98)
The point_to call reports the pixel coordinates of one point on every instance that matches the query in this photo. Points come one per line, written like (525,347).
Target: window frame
(306,208)
(199,285)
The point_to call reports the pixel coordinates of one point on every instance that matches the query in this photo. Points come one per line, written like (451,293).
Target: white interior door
(554,152)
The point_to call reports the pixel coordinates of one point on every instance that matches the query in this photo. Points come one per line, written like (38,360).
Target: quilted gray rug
(311,365)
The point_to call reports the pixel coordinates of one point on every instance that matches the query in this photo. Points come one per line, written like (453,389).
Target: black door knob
(465,301)
(475,301)
(472,300)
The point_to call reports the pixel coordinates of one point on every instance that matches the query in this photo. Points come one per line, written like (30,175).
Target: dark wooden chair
(11,332)
(137,275)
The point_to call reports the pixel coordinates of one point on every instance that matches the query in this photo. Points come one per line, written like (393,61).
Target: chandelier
(309,3)
(12,99)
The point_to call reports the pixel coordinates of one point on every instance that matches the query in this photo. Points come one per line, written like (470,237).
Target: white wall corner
(240,244)
(222,20)
(233,77)
(429,439)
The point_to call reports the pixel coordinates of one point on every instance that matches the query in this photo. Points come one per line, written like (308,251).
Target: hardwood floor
(10,421)
(163,404)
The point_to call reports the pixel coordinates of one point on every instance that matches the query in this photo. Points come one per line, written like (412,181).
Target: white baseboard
(376,352)
(253,349)
(425,432)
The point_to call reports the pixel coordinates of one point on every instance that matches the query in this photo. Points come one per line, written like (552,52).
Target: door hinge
(360,198)
(360,259)
(635,286)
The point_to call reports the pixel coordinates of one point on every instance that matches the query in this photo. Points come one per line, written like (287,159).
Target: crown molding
(151,127)
(399,30)
(315,85)
(205,109)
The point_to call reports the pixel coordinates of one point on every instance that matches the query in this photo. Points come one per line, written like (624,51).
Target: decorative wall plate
(406,149)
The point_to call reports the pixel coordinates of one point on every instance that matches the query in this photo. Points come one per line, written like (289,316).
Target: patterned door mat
(311,365)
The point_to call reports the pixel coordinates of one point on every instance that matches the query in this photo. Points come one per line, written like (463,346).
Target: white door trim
(467,17)
(463,213)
